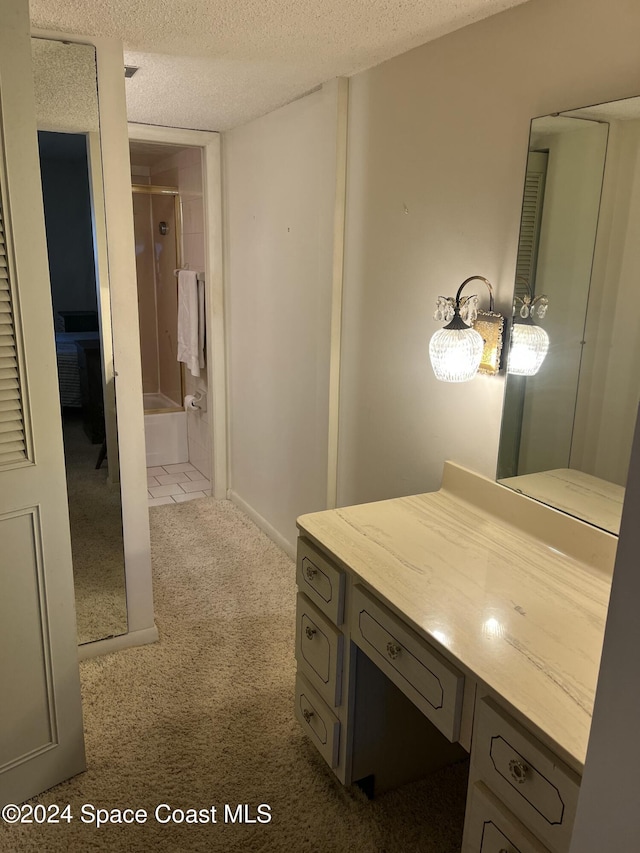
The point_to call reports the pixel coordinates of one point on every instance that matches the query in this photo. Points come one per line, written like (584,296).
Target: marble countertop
(583,495)
(516,593)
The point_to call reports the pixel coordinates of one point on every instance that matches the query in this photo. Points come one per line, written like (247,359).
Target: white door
(41,738)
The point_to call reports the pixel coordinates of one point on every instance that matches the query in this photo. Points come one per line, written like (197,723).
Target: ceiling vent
(130,70)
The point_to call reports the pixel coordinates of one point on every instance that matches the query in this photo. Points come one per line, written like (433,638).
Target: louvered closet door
(41,739)
(526,262)
(12,446)
(530,223)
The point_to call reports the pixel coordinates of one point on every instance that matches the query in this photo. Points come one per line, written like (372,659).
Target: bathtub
(165,431)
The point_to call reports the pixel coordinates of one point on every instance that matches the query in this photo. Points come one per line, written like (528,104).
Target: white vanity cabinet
(320,655)
(416,645)
(491,828)
(518,786)
(433,684)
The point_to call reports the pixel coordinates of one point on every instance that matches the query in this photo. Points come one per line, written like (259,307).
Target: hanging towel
(190,307)
(201,323)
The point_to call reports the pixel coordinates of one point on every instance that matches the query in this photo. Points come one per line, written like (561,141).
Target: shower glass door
(156,212)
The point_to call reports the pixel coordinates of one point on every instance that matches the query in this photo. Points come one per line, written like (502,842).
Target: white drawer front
(490,828)
(318,721)
(431,682)
(320,580)
(319,650)
(538,788)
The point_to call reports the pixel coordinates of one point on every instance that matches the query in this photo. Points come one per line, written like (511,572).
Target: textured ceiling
(214,64)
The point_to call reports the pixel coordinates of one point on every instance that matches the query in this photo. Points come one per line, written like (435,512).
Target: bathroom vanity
(468,620)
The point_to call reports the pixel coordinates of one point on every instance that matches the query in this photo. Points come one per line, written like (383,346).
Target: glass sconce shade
(455,354)
(529,346)
(457,350)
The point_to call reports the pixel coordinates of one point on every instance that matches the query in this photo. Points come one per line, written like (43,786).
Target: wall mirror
(567,431)
(71,169)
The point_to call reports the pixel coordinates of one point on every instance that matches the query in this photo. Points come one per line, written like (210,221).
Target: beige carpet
(205,717)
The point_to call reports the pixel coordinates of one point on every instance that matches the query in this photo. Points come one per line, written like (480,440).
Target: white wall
(436,160)
(443,129)
(279,176)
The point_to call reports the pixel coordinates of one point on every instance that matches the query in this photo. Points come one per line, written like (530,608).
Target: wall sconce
(471,342)
(529,343)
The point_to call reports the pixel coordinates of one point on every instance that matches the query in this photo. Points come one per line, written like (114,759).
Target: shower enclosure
(156,213)
(157,229)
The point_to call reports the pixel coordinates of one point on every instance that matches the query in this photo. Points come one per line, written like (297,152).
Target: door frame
(209,143)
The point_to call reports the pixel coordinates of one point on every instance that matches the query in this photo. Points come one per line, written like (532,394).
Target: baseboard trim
(114,644)
(263,524)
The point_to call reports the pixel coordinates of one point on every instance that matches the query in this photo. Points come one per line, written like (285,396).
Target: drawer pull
(393,650)
(309,632)
(310,572)
(518,771)
(307,714)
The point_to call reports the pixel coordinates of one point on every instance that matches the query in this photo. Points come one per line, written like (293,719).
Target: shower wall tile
(140,174)
(199,443)
(166,298)
(184,170)
(170,162)
(146,286)
(202,431)
(193,384)
(201,459)
(189,157)
(168,178)
(190,181)
(190,383)
(193,216)
(194,250)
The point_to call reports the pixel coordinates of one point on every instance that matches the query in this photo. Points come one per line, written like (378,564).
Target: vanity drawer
(319,723)
(319,650)
(490,828)
(423,675)
(321,581)
(538,788)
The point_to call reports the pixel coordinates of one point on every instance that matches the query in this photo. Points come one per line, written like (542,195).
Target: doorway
(187,162)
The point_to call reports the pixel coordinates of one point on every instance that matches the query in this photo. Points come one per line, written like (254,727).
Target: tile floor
(169,484)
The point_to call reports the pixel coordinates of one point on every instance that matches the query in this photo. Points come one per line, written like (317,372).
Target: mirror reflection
(567,431)
(68,137)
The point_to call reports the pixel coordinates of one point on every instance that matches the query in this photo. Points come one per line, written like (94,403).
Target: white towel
(201,323)
(191,321)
